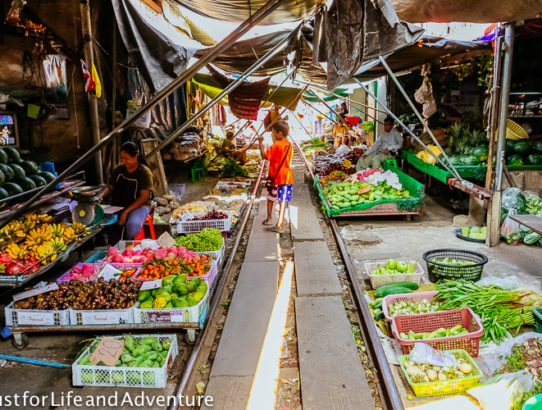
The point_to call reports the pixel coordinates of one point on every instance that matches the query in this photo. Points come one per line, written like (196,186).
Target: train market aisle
(246,367)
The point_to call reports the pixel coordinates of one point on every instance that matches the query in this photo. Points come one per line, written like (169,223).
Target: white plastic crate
(222,225)
(24,317)
(176,315)
(381,280)
(101,317)
(126,376)
(216,255)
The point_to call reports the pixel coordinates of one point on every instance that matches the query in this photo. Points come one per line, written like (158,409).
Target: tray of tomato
(159,269)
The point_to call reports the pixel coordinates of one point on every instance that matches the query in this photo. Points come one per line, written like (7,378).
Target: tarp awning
(284,96)
(237,11)
(310,96)
(425,51)
(479,11)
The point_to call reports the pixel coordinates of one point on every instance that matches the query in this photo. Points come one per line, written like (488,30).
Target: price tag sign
(158,317)
(108,351)
(151,284)
(36,318)
(166,240)
(109,272)
(347,163)
(35,291)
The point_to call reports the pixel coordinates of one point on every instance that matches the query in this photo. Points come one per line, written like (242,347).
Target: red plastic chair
(141,235)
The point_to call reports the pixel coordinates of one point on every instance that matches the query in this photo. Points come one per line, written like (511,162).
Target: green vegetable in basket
(156,346)
(146,305)
(126,358)
(85,360)
(413,308)
(144,295)
(180,302)
(148,340)
(166,344)
(181,289)
(130,343)
(149,378)
(393,288)
(146,363)
(141,349)
(164,353)
(394,267)
(207,240)
(87,376)
(118,377)
(152,355)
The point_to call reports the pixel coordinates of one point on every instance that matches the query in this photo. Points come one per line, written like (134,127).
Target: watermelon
(12,188)
(8,171)
(24,182)
(3,156)
(3,194)
(515,160)
(522,147)
(30,167)
(40,181)
(534,159)
(454,159)
(18,170)
(509,147)
(47,175)
(468,150)
(2,178)
(481,152)
(469,160)
(13,154)
(537,146)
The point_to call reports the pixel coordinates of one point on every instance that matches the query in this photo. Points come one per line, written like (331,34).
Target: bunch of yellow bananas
(38,217)
(79,228)
(58,230)
(69,234)
(39,236)
(16,251)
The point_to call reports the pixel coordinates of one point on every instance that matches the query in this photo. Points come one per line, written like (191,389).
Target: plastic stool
(392,162)
(197,171)
(141,235)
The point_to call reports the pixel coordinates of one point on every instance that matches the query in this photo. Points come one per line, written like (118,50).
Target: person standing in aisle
(387,145)
(280,178)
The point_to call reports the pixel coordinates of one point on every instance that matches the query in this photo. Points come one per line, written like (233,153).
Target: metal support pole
(209,56)
(341,119)
(420,118)
(320,112)
(86,27)
(405,127)
(232,86)
(495,206)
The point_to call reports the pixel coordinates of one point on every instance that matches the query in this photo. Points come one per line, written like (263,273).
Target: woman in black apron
(130,187)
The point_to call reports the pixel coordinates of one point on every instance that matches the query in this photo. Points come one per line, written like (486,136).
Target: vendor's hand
(122,218)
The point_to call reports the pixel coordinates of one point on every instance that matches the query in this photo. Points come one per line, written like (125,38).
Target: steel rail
(215,297)
(370,335)
(209,56)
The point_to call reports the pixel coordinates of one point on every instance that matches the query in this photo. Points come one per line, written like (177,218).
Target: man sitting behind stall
(387,144)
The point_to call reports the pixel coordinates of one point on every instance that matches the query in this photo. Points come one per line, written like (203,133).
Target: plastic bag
(422,353)
(513,199)
(503,280)
(510,228)
(500,392)
(342,150)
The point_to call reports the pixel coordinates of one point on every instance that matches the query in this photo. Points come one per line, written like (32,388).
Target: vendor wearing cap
(386,146)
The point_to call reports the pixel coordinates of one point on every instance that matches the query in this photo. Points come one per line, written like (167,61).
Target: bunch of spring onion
(500,310)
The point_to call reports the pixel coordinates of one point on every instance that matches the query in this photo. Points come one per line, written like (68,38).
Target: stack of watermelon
(470,156)
(18,175)
(523,152)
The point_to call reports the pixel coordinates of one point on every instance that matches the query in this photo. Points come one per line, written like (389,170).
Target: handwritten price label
(35,291)
(108,351)
(151,284)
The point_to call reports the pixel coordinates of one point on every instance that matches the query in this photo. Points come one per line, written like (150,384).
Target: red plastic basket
(409,297)
(446,319)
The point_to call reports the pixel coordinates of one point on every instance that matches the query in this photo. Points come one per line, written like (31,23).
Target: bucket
(534,403)
(33,111)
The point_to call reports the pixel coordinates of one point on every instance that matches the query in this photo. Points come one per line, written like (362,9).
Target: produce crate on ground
(23,317)
(404,206)
(410,297)
(381,280)
(446,319)
(216,255)
(178,315)
(148,377)
(442,387)
(440,271)
(222,225)
(101,317)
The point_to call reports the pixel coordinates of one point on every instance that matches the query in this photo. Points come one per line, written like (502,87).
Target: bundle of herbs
(500,310)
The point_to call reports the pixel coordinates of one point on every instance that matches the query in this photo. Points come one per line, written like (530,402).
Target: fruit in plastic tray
(211,215)
(82,271)
(131,255)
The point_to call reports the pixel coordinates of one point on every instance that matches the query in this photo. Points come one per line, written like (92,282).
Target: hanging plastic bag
(510,229)
(424,95)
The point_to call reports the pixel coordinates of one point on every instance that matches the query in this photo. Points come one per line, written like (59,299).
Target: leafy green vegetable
(206,240)
(232,169)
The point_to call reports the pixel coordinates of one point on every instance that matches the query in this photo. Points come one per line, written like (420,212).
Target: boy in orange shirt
(280,179)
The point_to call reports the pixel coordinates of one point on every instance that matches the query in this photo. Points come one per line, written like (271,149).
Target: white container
(381,280)
(223,225)
(151,377)
(216,255)
(31,317)
(172,315)
(101,317)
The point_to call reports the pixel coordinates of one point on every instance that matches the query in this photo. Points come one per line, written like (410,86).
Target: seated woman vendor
(130,187)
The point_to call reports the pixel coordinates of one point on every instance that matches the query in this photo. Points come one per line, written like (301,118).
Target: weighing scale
(87,211)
